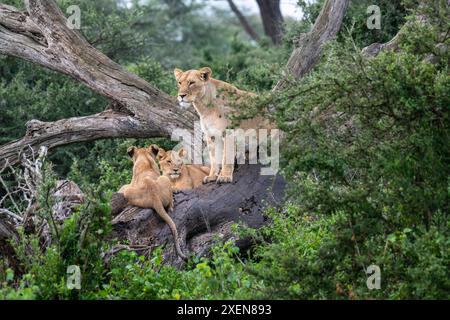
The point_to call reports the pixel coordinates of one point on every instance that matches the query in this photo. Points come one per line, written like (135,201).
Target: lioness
(212,99)
(182,176)
(148,189)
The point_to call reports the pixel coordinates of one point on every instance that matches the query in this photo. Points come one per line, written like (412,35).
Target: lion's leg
(210,141)
(170,206)
(226,174)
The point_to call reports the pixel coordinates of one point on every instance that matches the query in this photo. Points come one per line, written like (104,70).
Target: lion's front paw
(175,191)
(208,179)
(224,179)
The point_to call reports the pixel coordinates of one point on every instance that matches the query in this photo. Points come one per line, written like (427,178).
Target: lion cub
(182,176)
(148,189)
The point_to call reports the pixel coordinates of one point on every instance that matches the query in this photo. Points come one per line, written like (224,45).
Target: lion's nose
(183,95)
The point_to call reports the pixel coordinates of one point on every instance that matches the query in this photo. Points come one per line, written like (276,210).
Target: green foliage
(134,277)
(152,71)
(28,92)
(106,25)
(392,18)
(248,67)
(368,161)
(297,266)
(325,257)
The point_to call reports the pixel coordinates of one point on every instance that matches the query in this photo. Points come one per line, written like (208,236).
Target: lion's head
(171,162)
(148,154)
(192,85)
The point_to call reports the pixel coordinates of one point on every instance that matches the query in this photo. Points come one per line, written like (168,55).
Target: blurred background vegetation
(368,187)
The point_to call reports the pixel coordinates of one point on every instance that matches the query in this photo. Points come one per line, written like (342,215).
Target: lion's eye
(179,83)
(191,83)
(169,162)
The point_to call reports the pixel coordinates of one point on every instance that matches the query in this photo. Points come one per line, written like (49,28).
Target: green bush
(368,162)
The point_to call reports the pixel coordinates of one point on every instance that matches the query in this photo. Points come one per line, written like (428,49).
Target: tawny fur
(148,189)
(213,100)
(182,176)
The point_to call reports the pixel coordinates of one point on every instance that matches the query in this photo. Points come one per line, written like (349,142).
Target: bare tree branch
(108,124)
(11,214)
(41,36)
(375,48)
(272,19)
(308,47)
(243,20)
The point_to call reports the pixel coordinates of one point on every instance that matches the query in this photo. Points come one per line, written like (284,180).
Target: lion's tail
(165,216)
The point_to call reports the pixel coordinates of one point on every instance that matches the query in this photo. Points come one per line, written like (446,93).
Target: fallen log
(202,215)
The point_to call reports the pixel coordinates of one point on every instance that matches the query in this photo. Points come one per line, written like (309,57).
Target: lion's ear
(177,73)
(153,149)
(182,152)
(156,152)
(161,154)
(131,151)
(205,73)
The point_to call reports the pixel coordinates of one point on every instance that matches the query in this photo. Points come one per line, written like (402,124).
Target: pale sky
(288,7)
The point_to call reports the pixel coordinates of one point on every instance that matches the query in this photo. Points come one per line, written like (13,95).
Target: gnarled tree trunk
(308,47)
(41,35)
(272,19)
(243,21)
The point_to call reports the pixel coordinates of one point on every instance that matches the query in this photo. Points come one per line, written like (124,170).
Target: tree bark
(41,35)
(243,21)
(8,233)
(308,47)
(272,19)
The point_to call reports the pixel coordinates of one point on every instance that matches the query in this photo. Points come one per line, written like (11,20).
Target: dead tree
(272,19)
(137,109)
(308,47)
(41,35)
(64,197)
(243,21)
